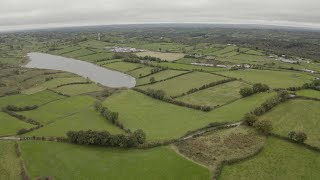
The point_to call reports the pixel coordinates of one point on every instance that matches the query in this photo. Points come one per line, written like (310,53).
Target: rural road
(10,138)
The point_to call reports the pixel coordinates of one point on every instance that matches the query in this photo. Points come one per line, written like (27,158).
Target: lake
(95,73)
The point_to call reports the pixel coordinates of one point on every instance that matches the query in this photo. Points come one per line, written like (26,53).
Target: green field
(53,84)
(94,44)
(160,76)
(9,162)
(163,121)
(166,47)
(140,72)
(10,125)
(68,161)
(182,84)
(84,120)
(279,160)
(297,115)
(309,93)
(161,55)
(76,89)
(217,95)
(65,50)
(97,57)
(59,109)
(79,53)
(275,79)
(227,49)
(22,100)
(187,67)
(122,66)
(247,58)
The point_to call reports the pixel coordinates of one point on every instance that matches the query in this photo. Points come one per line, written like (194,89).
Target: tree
(250,119)
(263,126)
(140,135)
(152,80)
(258,87)
(246,91)
(298,136)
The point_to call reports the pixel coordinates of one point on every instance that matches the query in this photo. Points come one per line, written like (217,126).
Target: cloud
(16,14)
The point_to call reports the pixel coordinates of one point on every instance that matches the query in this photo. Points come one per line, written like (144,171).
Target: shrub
(250,119)
(259,87)
(246,91)
(152,80)
(299,137)
(157,94)
(140,135)
(22,131)
(26,108)
(264,126)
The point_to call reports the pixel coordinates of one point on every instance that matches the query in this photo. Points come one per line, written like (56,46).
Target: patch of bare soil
(212,148)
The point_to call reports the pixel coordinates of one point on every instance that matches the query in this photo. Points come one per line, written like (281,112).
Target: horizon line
(294,26)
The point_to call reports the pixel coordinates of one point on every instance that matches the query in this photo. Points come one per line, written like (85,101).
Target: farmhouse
(309,71)
(202,64)
(126,49)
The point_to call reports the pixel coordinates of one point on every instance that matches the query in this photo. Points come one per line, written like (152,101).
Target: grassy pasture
(297,115)
(94,44)
(20,79)
(165,47)
(160,76)
(85,120)
(97,57)
(10,60)
(309,93)
(22,100)
(217,95)
(79,53)
(65,50)
(59,109)
(163,121)
(224,51)
(182,84)
(255,52)
(141,72)
(10,125)
(76,89)
(53,84)
(63,162)
(9,162)
(161,55)
(212,148)
(122,66)
(278,160)
(187,67)
(275,79)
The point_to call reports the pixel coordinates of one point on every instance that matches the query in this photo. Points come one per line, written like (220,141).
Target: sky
(31,14)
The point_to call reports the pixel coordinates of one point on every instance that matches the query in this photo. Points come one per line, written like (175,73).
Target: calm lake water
(95,73)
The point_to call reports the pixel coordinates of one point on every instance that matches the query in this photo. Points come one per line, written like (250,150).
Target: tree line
(109,115)
(256,88)
(104,138)
(161,95)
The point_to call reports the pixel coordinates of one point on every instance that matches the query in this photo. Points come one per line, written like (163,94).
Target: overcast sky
(25,14)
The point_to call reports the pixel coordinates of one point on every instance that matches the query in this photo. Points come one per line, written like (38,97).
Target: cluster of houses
(126,49)
(220,65)
(309,71)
